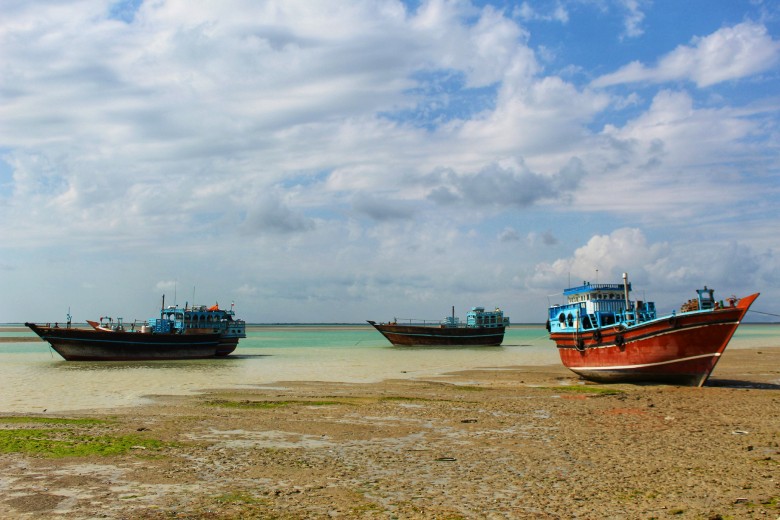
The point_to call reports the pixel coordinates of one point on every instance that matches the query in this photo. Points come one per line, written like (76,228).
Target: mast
(625,290)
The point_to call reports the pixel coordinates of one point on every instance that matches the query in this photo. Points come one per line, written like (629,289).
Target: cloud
(246,290)
(556,12)
(382,209)
(622,250)
(508,234)
(546,238)
(269,214)
(323,160)
(669,271)
(510,184)
(634,17)
(727,54)
(165,285)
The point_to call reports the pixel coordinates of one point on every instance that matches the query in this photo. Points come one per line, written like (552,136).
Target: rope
(766,313)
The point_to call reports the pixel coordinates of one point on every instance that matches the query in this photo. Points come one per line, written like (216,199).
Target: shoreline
(519,442)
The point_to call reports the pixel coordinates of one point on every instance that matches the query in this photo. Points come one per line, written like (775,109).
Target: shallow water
(34,378)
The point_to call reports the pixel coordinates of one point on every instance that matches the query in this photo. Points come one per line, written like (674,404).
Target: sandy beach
(507,443)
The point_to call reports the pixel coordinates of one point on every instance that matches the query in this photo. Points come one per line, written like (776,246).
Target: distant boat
(195,332)
(603,336)
(482,328)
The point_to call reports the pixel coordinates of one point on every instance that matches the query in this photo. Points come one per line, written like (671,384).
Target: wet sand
(525,442)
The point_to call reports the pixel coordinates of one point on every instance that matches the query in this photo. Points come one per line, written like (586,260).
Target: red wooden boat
(482,329)
(603,336)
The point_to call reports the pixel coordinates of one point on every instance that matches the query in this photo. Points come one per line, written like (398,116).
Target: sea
(35,379)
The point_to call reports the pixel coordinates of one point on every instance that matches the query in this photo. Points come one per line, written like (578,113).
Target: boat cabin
(592,306)
(179,320)
(477,317)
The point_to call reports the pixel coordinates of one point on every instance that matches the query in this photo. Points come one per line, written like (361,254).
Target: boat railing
(417,322)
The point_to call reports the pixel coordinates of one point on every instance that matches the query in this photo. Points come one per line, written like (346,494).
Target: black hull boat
(78,344)
(432,335)
(192,332)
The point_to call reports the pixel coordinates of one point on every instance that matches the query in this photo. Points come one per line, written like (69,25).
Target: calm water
(34,378)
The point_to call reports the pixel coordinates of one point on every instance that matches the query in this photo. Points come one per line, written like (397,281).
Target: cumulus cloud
(727,54)
(511,184)
(674,133)
(382,209)
(623,249)
(668,271)
(269,214)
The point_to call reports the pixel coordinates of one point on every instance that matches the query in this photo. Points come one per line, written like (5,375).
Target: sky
(368,160)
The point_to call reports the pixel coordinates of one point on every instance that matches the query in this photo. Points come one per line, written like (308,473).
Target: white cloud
(634,17)
(727,54)
(556,12)
(610,255)
(661,271)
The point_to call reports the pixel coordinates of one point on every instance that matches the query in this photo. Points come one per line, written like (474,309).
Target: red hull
(680,349)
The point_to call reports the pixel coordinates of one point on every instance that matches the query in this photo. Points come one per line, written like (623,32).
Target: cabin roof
(590,287)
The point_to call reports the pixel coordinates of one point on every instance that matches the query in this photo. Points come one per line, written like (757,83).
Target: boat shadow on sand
(738,383)
(155,364)
(480,348)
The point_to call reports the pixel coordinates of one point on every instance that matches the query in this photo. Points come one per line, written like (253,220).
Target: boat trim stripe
(192,341)
(645,365)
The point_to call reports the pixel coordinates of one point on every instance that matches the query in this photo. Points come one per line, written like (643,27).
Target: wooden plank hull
(75,344)
(226,345)
(418,335)
(682,349)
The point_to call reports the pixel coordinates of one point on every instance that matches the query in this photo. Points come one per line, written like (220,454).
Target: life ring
(597,336)
(620,341)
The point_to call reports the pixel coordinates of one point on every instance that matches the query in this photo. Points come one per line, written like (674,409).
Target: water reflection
(188,365)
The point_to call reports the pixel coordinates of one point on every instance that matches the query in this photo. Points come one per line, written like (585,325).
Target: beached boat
(603,336)
(482,328)
(195,332)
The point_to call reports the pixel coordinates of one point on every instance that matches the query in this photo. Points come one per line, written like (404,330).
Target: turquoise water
(35,378)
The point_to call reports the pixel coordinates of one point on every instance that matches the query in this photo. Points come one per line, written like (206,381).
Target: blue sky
(320,162)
